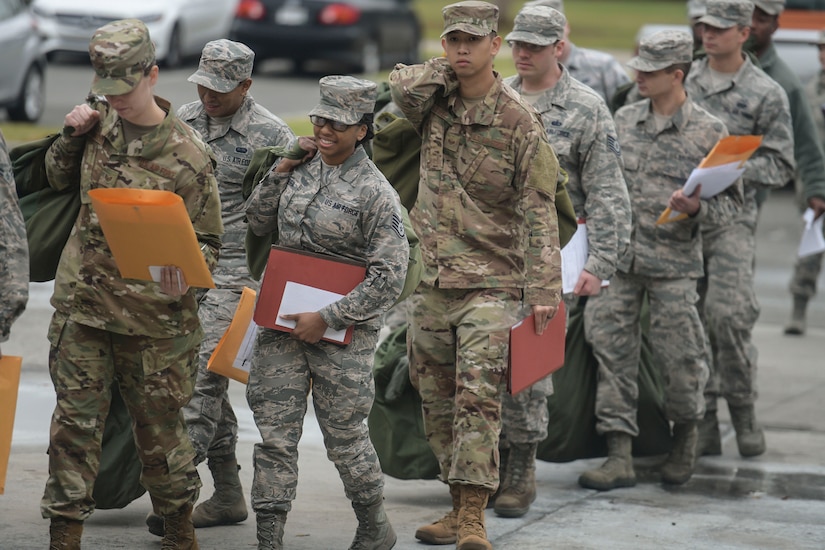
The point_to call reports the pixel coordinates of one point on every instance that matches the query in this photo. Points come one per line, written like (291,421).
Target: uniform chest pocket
(678,170)
(335,217)
(486,172)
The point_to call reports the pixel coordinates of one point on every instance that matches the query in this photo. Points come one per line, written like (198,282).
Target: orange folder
(231,357)
(311,272)
(533,356)
(150,228)
(727,150)
(10,366)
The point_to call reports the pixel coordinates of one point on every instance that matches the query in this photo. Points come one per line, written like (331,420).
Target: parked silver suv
(22,64)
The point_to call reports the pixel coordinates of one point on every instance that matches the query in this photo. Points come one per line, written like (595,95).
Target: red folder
(533,356)
(317,271)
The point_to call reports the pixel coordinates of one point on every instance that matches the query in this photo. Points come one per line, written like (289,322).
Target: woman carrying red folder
(333,201)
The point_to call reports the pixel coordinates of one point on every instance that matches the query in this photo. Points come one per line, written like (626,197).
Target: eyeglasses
(320,122)
(532,48)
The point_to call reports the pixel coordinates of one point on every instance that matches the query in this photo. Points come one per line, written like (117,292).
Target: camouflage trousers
(612,322)
(284,371)
(155,377)
(459,346)
(210,420)
(806,270)
(728,305)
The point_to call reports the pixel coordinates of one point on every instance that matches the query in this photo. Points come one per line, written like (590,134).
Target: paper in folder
(297,281)
(233,354)
(10,367)
(147,229)
(534,356)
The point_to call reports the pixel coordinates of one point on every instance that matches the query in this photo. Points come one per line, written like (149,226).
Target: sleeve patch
(398,226)
(613,145)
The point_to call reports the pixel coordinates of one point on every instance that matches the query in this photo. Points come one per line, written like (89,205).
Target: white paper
(714,180)
(243,360)
(154,272)
(573,258)
(300,298)
(812,241)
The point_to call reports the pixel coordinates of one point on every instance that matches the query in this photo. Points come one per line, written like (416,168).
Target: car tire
(174,56)
(370,62)
(32,99)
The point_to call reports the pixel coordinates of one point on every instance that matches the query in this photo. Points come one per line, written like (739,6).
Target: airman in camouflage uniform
(749,102)
(489,232)
(807,268)
(599,70)
(335,203)
(582,134)
(14,250)
(664,137)
(143,334)
(234,125)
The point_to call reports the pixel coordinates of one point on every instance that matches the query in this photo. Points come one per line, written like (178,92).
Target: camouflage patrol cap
(696,9)
(120,52)
(724,14)
(224,64)
(557,5)
(661,50)
(538,25)
(345,98)
(771,7)
(471,16)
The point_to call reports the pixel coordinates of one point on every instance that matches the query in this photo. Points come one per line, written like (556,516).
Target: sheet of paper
(714,180)
(812,241)
(243,360)
(300,298)
(573,258)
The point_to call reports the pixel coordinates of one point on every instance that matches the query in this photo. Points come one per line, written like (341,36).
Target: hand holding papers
(148,229)
(573,258)
(534,356)
(717,171)
(812,241)
(233,354)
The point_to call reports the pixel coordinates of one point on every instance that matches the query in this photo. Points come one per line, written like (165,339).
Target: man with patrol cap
(581,131)
(599,70)
(809,178)
(144,335)
(234,125)
(489,235)
(749,102)
(807,269)
(664,137)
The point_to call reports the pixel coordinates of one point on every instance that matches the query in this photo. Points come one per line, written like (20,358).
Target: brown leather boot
(226,505)
(178,531)
(472,533)
(617,471)
(445,530)
(518,488)
(680,463)
(749,436)
(64,534)
(374,529)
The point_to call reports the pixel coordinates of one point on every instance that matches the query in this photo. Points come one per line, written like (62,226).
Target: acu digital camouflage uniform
(224,64)
(751,104)
(349,211)
(581,131)
(14,250)
(486,217)
(108,328)
(663,261)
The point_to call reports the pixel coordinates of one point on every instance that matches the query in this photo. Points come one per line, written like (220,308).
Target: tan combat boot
(749,436)
(472,533)
(617,471)
(226,505)
(445,530)
(374,530)
(796,326)
(680,463)
(517,490)
(178,531)
(710,440)
(270,529)
(64,534)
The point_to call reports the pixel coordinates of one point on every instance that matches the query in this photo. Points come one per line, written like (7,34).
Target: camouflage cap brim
(717,22)
(115,86)
(336,113)
(213,82)
(647,65)
(469,28)
(530,38)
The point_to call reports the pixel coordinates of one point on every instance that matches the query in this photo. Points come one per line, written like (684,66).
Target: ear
(362,132)
(496,44)
(245,85)
(153,75)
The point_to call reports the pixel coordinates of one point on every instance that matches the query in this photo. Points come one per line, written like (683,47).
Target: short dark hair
(684,67)
(367,120)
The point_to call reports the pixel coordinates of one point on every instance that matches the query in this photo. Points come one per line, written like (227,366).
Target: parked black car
(22,65)
(363,35)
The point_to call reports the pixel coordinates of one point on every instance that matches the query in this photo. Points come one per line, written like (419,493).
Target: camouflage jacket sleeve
(538,169)
(205,213)
(262,205)
(414,87)
(14,253)
(772,165)
(63,160)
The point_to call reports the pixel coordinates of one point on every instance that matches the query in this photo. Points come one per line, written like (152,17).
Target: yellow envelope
(150,228)
(9,382)
(232,355)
